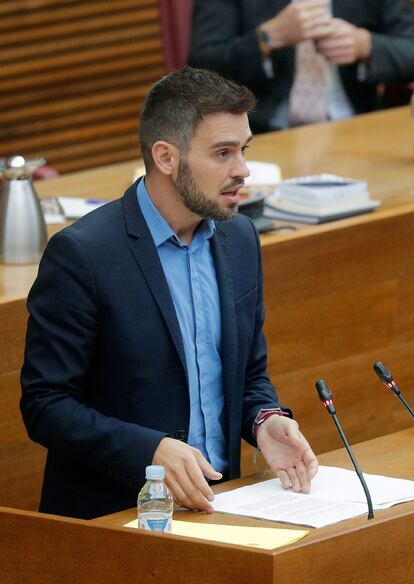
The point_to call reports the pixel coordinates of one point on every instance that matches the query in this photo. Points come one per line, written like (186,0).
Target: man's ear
(166,157)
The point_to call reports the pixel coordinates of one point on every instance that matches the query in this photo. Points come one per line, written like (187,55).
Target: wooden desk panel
(21,460)
(334,306)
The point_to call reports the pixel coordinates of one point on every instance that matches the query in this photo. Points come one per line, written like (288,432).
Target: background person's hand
(299,21)
(185,469)
(287,453)
(345,44)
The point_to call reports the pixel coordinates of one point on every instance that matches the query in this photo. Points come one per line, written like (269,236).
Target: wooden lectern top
(44,549)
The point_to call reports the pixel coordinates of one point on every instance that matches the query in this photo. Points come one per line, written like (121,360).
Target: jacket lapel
(146,256)
(229,351)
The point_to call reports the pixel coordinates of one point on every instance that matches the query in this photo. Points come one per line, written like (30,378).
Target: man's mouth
(232,194)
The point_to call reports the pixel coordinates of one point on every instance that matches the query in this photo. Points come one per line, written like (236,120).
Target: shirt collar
(157,224)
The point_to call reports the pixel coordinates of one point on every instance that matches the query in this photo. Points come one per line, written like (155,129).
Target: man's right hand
(185,469)
(299,21)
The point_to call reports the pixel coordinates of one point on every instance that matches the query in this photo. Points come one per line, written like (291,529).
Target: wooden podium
(44,549)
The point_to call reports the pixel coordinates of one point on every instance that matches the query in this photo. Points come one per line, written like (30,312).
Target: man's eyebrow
(232,143)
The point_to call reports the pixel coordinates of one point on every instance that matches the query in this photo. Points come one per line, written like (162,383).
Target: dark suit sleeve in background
(393,43)
(220,41)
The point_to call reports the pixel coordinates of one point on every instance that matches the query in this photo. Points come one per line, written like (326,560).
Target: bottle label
(160,522)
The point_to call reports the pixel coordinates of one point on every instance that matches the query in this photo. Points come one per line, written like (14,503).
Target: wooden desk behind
(338,296)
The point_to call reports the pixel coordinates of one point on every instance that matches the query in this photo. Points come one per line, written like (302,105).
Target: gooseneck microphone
(388,380)
(325,396)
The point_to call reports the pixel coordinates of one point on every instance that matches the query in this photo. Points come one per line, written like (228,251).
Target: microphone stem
(405,404)
(356,466)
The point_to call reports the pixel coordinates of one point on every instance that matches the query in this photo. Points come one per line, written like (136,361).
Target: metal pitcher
(23,233)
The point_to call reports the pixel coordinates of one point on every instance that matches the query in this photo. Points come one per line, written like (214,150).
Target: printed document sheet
(336,495)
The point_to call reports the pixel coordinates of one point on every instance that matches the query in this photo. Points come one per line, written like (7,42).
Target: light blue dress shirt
(191,277)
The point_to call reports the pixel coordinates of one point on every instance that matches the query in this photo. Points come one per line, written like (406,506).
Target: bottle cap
(155,472)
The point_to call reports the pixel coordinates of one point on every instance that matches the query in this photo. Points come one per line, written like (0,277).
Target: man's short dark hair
(178,102)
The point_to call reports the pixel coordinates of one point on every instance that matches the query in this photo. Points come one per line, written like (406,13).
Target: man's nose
(241,170)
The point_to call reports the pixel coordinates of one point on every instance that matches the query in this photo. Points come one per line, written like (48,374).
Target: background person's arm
(386,49)
(223,42)
(218,42)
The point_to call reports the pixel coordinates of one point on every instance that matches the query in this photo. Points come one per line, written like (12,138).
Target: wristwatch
(263,40)
(263,414)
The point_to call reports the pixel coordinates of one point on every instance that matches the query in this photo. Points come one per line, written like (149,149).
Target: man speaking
(144,342)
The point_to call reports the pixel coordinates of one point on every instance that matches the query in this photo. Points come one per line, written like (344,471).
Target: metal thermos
(23,233)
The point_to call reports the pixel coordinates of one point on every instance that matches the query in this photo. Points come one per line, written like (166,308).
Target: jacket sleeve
(57,373)
(218,42)
(392,56)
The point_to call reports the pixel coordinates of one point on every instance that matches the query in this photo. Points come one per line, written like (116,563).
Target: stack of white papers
(263,180)
(320,198)
(336,495)
(76,207)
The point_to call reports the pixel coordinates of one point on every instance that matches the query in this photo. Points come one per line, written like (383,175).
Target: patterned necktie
(307,101)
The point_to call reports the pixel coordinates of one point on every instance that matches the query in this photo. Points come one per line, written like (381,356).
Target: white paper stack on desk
(319,198)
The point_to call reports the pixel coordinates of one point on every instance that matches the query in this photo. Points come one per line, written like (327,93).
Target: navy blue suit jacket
(104,377)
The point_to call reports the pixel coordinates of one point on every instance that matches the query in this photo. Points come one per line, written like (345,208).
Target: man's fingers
(316,27)
(311,463)
(206,468)
(330,45)
(294,479)
(184,468)
(283,476)
(195,477)
(188,497)
(337,51)
(340,57)
(197,492)
(303,476)
(315,4)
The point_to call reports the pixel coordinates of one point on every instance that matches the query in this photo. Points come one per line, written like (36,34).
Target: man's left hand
(287,453)
(346,44)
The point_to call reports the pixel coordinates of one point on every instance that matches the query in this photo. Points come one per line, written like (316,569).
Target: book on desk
(318,199)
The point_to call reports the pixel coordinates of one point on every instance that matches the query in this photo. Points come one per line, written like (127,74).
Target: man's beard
(196,201)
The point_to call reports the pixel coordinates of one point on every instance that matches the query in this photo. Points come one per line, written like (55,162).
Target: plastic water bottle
(155,503)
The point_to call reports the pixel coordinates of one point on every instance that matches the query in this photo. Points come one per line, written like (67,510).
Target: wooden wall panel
(74,75)
(334,307)
(13,320)
(21,460)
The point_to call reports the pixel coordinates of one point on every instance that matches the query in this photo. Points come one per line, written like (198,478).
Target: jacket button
(181,435)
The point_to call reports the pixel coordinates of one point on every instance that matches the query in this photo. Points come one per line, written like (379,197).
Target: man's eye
(223,153)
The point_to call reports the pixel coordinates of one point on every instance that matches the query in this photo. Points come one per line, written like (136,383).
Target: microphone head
(325,395)
(323,390)
(383,373)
